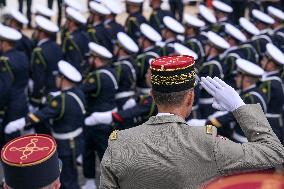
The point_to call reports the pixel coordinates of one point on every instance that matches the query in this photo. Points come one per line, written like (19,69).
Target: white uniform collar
(164,114)
(42,41)
(267,74)
(250,87)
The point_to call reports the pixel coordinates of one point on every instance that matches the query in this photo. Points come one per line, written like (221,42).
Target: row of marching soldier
(97,79)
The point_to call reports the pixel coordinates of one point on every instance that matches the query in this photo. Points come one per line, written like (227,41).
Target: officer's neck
(66,86)
(7,48)
(180,111)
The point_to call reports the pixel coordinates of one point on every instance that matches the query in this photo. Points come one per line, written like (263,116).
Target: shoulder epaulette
(209,129)
(113,135)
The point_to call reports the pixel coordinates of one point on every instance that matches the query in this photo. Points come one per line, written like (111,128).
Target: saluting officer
(66,111)
(169,33)
(157,15)
(212,67)
(147,42)
(100,87)
(140,157)
(247,80)
(111,25)
(14,78)
(193,38)
(134,8)
(95,26)
(125,69)
(278,26)
(272,86)
(17,21)
(75,40)
(44,60)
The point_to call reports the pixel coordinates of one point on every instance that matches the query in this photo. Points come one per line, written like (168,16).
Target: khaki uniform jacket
(166,153)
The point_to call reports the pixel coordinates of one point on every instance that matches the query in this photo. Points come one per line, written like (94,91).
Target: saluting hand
(225,97)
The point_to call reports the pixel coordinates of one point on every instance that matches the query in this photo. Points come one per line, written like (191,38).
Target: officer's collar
(249,88)
(267,74)
(124,58)
(170,40)
(10,50)
(224,19)
(102,67)
(159,119)
(280,27)
(149,48)
(97,24)
(42,41)
(107,21)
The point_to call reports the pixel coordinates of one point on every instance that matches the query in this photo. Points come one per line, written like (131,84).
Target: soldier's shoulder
(131,134)
(205,133)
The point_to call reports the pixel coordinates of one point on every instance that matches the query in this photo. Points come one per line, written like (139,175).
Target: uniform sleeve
(131,116)
(263,150)
(108,180)
(54,109)
(38,66)
(222,120)
(91,84)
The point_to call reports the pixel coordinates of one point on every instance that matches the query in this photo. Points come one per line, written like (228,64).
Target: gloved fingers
(207,86)
(215,83)
(221,82)
(217,106)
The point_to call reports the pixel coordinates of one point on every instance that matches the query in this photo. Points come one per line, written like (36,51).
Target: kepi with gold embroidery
(30,157)
(172,73)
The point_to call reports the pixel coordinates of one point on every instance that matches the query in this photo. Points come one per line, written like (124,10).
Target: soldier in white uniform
(165,152)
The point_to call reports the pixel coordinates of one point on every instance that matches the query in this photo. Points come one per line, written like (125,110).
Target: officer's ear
(189,97)
(56,184)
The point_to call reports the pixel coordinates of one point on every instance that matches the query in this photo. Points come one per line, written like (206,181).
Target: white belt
(206,100)
(273,115)
(67,136)
(124,94)
(239,137)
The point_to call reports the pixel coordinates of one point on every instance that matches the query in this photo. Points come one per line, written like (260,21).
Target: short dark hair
(170,99)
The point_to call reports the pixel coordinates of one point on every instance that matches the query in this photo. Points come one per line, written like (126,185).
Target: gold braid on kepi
(30,161)
(172,73)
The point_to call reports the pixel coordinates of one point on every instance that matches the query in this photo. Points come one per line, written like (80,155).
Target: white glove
(99,118)
(32,108)
(196,122)
(130,103)
(225,97)
(16,125)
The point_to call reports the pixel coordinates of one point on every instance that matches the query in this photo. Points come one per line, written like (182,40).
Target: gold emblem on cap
(209,129)
(29,149)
